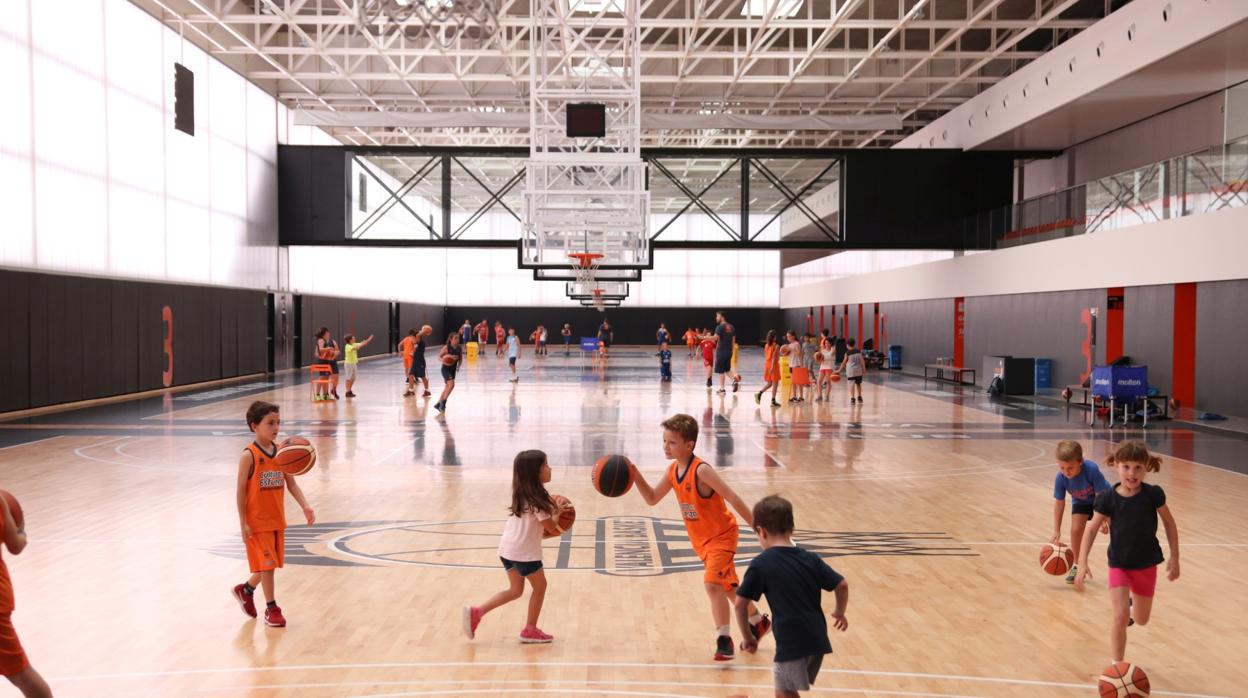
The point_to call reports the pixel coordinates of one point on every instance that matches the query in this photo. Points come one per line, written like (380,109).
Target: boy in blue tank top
(1083,480)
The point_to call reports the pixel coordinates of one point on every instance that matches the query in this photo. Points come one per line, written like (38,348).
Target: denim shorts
(524,568)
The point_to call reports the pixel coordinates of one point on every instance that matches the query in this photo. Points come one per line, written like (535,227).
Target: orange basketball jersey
(706,518)
(6,585)
(266,492)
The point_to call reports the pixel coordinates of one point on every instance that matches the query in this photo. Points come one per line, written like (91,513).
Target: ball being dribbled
(1123,680)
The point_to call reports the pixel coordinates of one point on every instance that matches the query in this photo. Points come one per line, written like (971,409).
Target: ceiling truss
(913,58)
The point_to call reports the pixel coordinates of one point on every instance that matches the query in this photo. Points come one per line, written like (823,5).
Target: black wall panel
(413,315)
(342,316)
(78,338)
(631,325)
(15,325)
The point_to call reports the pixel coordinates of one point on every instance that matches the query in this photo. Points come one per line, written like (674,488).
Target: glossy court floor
(932,501)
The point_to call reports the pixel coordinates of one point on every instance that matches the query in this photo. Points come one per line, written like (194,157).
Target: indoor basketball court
(891,260)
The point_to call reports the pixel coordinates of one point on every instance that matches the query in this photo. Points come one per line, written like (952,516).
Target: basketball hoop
(598,302)
(585,265)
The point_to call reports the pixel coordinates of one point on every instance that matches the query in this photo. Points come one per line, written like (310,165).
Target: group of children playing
(809,357)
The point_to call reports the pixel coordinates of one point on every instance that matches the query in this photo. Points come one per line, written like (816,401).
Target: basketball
(819,357)
(835,377)
(612,476)
(566,519)
(15,508)
(1056,559)
(296,456)
(449,359)
(1123,680)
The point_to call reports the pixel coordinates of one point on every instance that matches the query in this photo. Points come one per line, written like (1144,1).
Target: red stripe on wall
(1184,369)
(959,331)
(821,325)
(1114,311)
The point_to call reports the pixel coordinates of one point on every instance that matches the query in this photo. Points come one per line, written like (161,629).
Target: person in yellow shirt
(351,360)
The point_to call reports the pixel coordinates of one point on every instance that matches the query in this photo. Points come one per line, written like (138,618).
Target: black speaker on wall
(183,99)
(586,120)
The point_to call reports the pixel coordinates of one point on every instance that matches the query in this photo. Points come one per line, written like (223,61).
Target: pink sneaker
(472,618)
(531,635)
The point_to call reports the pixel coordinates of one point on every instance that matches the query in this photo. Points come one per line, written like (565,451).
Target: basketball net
(584,265)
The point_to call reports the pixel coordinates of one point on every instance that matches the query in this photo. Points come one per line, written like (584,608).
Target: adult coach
(605,335)
(725,333)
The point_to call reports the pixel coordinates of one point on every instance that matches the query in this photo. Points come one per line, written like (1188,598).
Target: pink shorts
(1142,582)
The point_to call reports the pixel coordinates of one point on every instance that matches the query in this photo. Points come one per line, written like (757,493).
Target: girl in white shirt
(533,513)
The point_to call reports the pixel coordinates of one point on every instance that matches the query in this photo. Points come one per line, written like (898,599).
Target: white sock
(723,631)
(755,618)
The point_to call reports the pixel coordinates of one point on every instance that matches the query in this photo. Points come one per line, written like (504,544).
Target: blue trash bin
(1044,373)
(894,357)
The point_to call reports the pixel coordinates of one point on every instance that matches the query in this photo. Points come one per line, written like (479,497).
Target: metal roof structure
(700,59)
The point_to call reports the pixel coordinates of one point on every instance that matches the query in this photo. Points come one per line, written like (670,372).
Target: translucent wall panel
(858,262)
(491,278)
(96,179)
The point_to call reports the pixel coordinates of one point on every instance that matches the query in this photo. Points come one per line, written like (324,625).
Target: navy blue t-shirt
(725,332)
(791,578)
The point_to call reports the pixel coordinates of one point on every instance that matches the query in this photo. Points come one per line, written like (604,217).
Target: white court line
(30,443)
(770,455)
(592,665)
(80,453)
(557,690)
(1113,444)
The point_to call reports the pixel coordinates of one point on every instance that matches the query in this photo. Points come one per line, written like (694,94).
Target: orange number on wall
(166,319)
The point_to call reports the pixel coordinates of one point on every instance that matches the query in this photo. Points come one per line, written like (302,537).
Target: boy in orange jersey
(262,511)
(13,663)
(703,497)
(407,347)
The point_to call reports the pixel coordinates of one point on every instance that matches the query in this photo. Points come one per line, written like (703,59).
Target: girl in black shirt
(1132,507)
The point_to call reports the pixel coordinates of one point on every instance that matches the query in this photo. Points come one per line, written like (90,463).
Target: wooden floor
(933,503)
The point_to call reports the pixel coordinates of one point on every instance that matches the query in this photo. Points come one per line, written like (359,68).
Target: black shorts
(524,568)
(723,364)
(417,370)
(567,341)
(511,360)
(856,380)
(448,372)
(1084,508)
(333,367)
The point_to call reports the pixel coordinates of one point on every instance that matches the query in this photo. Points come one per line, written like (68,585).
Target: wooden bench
(957,371)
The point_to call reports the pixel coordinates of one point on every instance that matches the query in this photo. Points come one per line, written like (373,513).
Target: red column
(1113,324)
(1183,388)
(959,331)
(821,325)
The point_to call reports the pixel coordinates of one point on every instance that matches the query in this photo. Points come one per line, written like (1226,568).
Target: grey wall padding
(1148,331)
(924,329)
(1221,345)
(1036,325)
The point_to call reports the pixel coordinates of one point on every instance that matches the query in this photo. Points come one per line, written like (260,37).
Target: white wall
(1209,247)
(726,278)
(97,181)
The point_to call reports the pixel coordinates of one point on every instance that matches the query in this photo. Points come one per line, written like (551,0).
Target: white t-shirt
(543,336)
(853,364)
(522,537)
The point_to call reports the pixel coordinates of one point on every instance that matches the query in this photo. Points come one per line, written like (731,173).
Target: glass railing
(1188,185)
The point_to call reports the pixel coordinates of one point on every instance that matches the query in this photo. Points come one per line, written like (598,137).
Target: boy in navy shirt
(791,579)
(665,363)
(1083,480)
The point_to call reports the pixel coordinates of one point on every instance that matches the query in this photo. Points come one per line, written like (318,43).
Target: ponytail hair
(1134,452)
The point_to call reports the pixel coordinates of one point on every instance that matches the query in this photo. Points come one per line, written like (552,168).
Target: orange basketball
(1123,680)
(612,475)
(1056,559)
(566,519)
(818,357)
(296,456)
(15,508)
(836,377)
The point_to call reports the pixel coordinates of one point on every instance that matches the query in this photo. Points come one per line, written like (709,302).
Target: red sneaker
(273,617)
(531,635)
(762,627)
(245,601)
(472,618)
